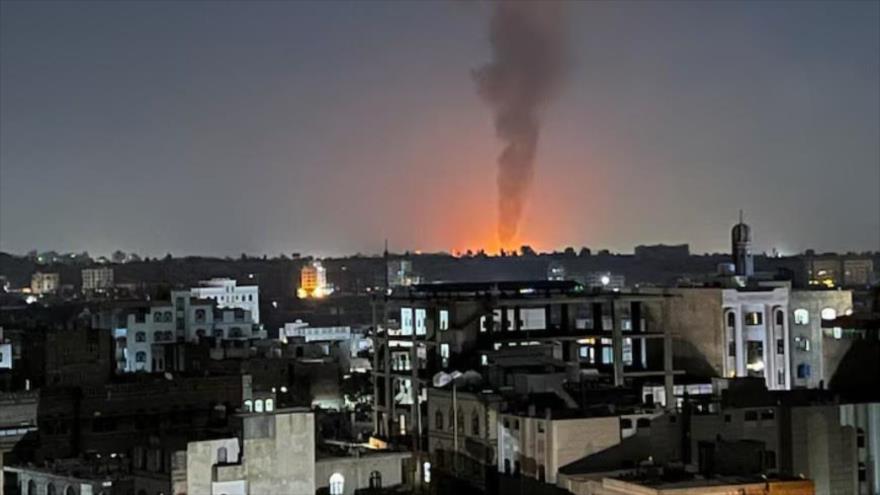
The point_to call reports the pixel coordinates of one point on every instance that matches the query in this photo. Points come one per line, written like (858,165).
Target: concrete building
(97,279)
(646,485)
(143,335)
(18,417)
(45,283)
(835,270)
(763,330)
(313,281)
(276,453)
(228,294)
(428,328)
(301,330)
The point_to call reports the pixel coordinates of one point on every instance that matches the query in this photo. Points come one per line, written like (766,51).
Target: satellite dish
(442,379)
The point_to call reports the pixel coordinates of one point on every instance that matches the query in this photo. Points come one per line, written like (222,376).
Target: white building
(142,336)
(302,330)
(45,283)
(228,294)
(97,279)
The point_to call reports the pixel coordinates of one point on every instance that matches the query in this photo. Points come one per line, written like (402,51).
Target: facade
(143,335)
(701,486)
(313,281)
(97,279)
(769,331)
(45,283)
(276,453)
(228,294)
(302,330)
(437,327)
(834,270)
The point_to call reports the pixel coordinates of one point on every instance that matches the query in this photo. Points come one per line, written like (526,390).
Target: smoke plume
(528,47)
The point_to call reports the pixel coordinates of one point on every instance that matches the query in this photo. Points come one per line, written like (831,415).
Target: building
(313,281)
(834,270)
(228,294)
(18,417)
(741,249)
(260,461)
(301,330)
(605,280)
(45,283)
(656,485)
(144,336)
(468,326)
(97,279)
(766,330)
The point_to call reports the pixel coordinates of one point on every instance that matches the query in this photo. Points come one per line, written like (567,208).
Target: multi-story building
(45,283)
(313,281)
(428,328)
(97,279)
(762,330)
(228,294)
(144,335)
(260,461)
(835,270)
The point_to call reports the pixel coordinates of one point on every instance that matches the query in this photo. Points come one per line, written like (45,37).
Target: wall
(357,471)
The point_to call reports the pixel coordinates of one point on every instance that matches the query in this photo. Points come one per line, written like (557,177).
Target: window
(258,405)
(222,455)
(863,472)
(751,416)
(768,415)
(780,346)
(438,420)
(643,423)
(540,427)
(802,344)
(475,424)
(754,318)
(829,314)
(426,472)
(270,405)
(31,488)
(218,333)
(248,405)
(375,479)
(727,418)
(157,317)
(141,357)
(337,484)
(516,424)
(731,319)
(168,317)
(860,438)
(50,489)
(444,355)
(140,337)
(459,416)
(200,315)
(803,370)
(801,317)
(444,319)
(626,423)
(780,318)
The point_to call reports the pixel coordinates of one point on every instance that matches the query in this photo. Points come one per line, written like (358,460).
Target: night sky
(266,127)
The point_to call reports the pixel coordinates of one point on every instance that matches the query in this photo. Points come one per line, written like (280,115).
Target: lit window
(801,317)
(248,405)
(754,318)
(270,405)
(258,405)
(337,484)
(444,355)
(829,314)
(444,319)
(426,472)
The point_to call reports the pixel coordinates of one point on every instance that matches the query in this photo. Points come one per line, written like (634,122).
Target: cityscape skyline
(266,129)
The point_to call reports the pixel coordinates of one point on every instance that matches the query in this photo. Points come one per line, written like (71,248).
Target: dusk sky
(266,127)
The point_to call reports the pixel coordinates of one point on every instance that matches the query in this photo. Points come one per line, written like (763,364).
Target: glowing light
(605,280)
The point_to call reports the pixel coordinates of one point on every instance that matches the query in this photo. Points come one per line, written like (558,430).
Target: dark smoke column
(528,46)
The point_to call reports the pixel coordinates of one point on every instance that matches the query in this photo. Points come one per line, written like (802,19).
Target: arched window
(222,455)
(460,418)
(426,472)
(157,317)
(438,420)
(200,333)
(69,490)
(829,314)
(475,423)
(337,484)
(731,319)
(168,316)
(140,337)
(200,315)
(780,318)
(258,405)
(248,405)
(451,418)
(801,317)
(375,479)
(270,405)
(50,489)
(141,357)
(31,488)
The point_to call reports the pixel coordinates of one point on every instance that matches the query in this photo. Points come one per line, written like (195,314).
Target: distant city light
(605,280)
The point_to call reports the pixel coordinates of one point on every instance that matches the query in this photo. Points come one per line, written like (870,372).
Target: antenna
(740,217)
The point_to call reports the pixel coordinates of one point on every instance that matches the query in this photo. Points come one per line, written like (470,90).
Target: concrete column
(740,343)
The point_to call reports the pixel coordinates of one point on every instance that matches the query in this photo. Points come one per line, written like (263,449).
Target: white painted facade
(45,283)
(228,294)
(97,279)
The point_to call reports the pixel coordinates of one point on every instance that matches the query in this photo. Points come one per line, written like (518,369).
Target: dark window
(863,472)
(768,414)
(751,416)
(375,479)
(769,459)
(780,318)
(731,319)
(803,370)
(222,455)
(780,346)
(140,337)
(860,438)
(438,420)
(643,423)
(475,423)
(626,423)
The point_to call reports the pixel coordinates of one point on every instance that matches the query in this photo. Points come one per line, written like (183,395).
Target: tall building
(97,279)
(45,283)
(228,294)
(313,281)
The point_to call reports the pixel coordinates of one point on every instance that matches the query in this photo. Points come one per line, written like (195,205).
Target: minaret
(741,240)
